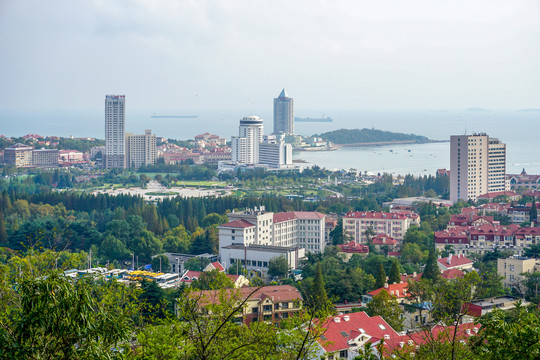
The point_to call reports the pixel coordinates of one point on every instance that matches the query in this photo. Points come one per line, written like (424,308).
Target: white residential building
(395,224)
(140,149)
(274,152)
(245,147)
(271,234)
(114,131)
(477,166)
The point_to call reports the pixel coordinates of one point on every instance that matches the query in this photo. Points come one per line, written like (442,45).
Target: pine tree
(533,212)
(3,232)
(380,280)
(431,271)
(395,275)
(319,299)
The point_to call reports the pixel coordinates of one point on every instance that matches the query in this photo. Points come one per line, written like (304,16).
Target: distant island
(308,119)
(360,137)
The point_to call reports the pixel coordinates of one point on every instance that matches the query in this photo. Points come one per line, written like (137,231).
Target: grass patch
(165,193)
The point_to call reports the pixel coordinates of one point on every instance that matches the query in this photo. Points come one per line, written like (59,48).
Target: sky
(185,56)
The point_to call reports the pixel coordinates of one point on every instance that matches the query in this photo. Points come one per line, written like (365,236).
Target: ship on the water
(309,119)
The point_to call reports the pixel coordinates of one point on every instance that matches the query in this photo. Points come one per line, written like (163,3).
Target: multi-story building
(245,147)
(522,180)
(256,236)
(275,152)
(45,157)
(511,269)
(478,166)
(94,151)
(269,303)
(496,165)
(283,114)
(19,155)
(140,149)
(114,131)
(359,224)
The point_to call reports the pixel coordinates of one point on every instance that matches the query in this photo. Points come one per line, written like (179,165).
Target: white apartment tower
(274,152)
(140,149)
(477,166)
(283,114)
(245,147)
(114,131)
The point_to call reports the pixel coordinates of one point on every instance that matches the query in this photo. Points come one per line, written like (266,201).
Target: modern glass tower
(283,114)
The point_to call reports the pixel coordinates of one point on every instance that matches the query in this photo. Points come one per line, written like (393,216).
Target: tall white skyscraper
(477,166)
(114,131)
(245,147)
(283,114)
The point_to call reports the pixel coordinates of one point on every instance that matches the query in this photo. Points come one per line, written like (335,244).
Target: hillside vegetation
(353,136)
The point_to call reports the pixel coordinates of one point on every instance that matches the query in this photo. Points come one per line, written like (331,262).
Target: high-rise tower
(477,166)
(245,147)
(283,114)
(114,131)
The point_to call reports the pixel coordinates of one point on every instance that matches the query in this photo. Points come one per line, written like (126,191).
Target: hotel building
(114,131)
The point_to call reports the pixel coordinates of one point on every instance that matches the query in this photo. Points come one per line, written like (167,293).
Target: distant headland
(370,137)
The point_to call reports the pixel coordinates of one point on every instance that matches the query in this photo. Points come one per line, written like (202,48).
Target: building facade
(245,147)
(45,157)
(357,225)
(114,131)
(19,155)
(275,152)
(511,269)
(283,114)
(478,166)
(140,149)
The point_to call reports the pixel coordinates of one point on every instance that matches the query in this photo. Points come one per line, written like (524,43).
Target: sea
(519,129)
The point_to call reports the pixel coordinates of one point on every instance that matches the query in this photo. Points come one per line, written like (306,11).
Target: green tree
(196,263)
(395,275)
(431,270)
(212,280)
(380,279)
(3,232)
(533,212)
(278,266)
(52,317)
(388,308)
(152,299)
(508,337)
(113,249)
(160,263)
(318,299)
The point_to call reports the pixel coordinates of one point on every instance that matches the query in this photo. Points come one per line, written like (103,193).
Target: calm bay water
(518,129)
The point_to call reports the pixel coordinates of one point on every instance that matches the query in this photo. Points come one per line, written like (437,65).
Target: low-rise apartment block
(358,224)
(511,269)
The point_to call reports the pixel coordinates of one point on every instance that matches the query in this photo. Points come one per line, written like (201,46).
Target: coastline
(384,143)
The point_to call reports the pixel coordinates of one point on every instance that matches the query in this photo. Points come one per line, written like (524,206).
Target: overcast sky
(174,54)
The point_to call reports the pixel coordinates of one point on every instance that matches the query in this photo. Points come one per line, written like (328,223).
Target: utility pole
(133,261)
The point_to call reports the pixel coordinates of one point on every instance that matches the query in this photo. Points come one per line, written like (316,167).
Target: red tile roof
(354,247)
(291,215)
(494,194)
(439,332)
(344,328)
(383,239)
(454,261)
(217,266)
(452,274)
(397,290)
(238,224)
(399,215)
(278,293)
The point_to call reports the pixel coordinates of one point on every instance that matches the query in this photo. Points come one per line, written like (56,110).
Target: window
(267,318)
(267,308)
(343,354)
(255,310)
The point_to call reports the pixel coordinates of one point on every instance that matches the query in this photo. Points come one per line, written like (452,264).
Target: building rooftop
(263,248)
(237,224)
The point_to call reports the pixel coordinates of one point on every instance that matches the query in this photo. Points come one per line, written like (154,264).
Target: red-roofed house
(352,247)
(527,236)
(407,344)
(451,236)
(397,290)
(394,224)
(268,303)
(452,274)
(511,195)
(214,266)
(384,240)
(345,335)
(455,262)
